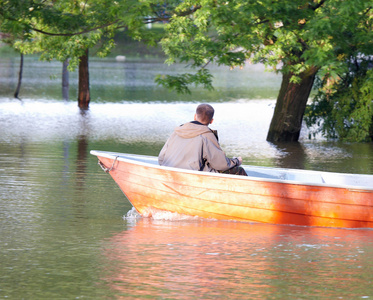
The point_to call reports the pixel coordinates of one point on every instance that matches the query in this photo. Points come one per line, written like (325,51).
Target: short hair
(205,113)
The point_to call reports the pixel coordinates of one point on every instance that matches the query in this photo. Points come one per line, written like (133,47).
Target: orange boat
(266,195)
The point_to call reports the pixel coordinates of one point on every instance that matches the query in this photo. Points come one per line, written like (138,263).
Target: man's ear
(212,120)
(195,117)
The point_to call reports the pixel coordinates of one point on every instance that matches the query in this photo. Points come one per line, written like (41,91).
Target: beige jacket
(194,146)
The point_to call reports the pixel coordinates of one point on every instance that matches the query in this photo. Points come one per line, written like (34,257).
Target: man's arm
(162,154)
(215,156)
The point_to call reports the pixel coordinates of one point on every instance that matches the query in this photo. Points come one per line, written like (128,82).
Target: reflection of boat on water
(189,259)
(202,259)
(268,195)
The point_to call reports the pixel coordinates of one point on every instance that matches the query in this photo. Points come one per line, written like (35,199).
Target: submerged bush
(343,109)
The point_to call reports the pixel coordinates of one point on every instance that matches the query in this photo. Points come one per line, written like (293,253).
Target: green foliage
(290,36)
(294,37)
(181,82)
(62,29)
(344,110)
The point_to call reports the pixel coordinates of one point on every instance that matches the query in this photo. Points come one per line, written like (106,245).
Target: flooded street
(68,232)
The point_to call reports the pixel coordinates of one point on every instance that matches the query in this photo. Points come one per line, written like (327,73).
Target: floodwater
(68,232)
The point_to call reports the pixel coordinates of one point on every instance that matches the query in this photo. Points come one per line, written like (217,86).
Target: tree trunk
(16,93)
(65,80)
(290,106)
(83,94)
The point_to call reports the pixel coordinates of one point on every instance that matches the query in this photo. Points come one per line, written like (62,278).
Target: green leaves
(344,108)
(181,82)
(289,36)
(62,29)
(292,32)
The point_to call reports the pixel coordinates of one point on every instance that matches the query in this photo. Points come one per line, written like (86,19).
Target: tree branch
(321,3)
(147,21)
(75,33)
(368,9)
(188,12)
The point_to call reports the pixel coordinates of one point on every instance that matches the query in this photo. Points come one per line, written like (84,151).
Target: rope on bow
(106,170)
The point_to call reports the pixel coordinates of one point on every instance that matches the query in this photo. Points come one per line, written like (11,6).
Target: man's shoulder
(192,130)
(211,137)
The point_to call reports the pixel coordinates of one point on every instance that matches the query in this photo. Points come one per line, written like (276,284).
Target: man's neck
(198,123)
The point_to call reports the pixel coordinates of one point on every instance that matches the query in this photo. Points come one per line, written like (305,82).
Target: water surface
(68,232)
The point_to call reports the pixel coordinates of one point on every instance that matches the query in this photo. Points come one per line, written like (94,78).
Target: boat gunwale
(126,157)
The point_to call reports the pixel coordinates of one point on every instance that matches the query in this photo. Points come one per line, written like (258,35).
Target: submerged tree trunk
(16,93)
(65,80)
(83,94)
(290,106)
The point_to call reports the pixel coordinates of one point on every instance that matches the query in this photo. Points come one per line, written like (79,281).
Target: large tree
(66,29)
(299,38)
(57,30)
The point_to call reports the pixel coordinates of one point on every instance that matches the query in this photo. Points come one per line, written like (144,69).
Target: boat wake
(157,214)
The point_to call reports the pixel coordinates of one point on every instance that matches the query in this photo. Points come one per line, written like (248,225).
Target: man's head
(204,114)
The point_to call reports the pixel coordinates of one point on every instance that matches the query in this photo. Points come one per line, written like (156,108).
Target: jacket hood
(191,130)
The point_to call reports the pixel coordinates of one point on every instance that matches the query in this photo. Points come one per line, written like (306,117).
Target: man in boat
(195,146)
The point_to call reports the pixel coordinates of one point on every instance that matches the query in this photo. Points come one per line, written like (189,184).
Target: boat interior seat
(281,174)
